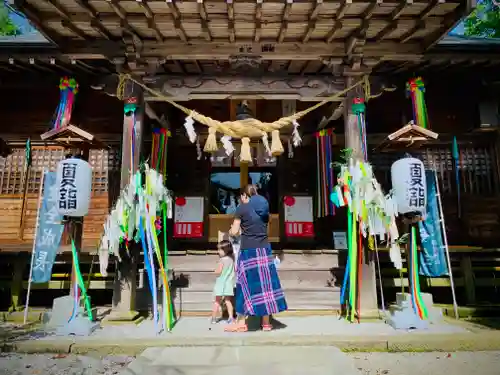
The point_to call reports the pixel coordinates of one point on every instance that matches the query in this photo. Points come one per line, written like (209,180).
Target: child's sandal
(267,327)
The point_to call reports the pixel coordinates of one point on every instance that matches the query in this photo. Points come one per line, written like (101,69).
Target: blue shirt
(254,217)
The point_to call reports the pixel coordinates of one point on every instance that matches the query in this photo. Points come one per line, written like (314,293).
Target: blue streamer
(344,283)
(146,256)
(154,291)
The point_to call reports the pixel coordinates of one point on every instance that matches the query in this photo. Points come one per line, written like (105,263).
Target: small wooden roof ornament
(409,137)
(71,136)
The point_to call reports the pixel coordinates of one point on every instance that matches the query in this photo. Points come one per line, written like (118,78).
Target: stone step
(288,278)
(201,299)
(309,282)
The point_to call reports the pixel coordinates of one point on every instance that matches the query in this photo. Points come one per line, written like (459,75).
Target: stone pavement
(275,360)
(131,339)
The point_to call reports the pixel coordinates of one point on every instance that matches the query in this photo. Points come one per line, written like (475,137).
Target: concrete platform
(315,331)
(276,360)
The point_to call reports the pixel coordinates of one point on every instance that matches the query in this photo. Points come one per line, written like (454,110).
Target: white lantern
(73,184)
(409,185)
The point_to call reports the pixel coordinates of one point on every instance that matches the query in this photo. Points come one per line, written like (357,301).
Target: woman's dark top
(253,225)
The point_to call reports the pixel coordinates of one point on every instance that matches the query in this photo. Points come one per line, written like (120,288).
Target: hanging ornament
(227,144)
(290,149)
(297,140)
(415,88)
(359,108)
(189,126)
(68,88)
(265,142)
(198,150)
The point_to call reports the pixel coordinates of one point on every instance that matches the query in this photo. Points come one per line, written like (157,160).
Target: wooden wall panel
(105,165)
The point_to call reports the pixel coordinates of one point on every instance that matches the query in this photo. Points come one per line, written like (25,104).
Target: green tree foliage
(484,20)
(7,26)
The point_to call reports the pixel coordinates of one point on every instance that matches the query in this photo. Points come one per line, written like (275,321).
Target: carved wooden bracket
(228,87)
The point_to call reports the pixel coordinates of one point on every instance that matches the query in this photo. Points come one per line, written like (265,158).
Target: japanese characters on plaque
(74,181)
(49,232)
(409,185)
(417,188)
(67,188)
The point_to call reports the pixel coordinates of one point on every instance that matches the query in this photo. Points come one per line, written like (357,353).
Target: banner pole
(34,247)
(447,249)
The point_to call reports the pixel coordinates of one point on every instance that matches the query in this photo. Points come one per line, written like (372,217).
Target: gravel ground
(459,363)
(61,364)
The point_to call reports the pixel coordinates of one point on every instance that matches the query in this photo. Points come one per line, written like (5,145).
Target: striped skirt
(258,288)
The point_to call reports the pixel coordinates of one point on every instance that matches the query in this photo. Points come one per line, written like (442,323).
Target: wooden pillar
(369,305)
(125,283)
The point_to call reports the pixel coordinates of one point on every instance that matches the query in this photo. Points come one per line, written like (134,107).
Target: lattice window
(105,164)
(11,173)
(43,158)
(476,170)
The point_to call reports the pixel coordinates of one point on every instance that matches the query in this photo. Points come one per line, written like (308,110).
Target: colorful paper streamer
(415,88)
(68,88)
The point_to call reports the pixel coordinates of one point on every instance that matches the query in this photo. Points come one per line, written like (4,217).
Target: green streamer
(349,246)
(165,254)
(353,271)
(418,296)
(79,280)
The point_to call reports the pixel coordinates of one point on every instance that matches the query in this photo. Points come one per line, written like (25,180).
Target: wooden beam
(233,87)
(151,22)
(370,9)
(66,21)
(223,50)
(94,21)
(125,26)
(284,20)
(176,19)
(204,20)
(343,9)
(258,17)
(230,22)
(430,8)
(312,20)
(332,33)
(409,34)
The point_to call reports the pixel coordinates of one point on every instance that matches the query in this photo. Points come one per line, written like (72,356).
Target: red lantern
(180,201)
(289,201)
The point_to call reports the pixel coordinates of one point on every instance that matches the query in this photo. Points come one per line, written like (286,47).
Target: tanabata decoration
(415,88)
(74,184)
(324,156)
(139,214)
(370,213)
(68,88)
(159,150)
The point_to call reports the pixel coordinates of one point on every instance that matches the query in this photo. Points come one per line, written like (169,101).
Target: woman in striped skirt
(258,288)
